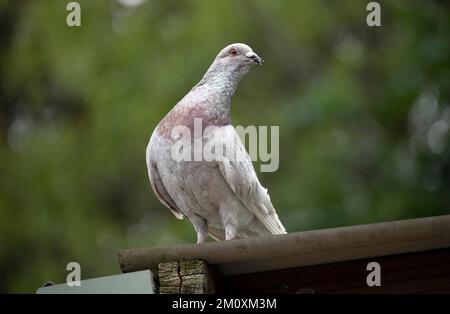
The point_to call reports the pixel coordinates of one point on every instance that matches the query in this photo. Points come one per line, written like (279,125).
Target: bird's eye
(233,51)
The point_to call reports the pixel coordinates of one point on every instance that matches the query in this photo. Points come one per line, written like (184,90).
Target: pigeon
(222,197)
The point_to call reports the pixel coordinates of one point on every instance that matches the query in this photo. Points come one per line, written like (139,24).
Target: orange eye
(233,51)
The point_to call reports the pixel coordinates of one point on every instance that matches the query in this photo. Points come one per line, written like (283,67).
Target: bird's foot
(200,238)
(230,232)
(201,228)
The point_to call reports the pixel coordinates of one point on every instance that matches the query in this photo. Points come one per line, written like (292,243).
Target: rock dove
(222,197)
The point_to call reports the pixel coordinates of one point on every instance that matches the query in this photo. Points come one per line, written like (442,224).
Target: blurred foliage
(364,117)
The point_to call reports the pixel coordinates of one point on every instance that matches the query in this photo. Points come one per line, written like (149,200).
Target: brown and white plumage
(222,197)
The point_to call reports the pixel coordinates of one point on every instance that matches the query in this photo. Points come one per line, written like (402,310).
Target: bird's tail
(273,224)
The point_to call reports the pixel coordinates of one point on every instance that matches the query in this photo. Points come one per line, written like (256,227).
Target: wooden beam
(259,254)
(420,272)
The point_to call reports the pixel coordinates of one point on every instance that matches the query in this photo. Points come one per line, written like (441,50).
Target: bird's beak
(254,57)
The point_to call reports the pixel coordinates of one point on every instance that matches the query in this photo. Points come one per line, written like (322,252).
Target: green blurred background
(364,116)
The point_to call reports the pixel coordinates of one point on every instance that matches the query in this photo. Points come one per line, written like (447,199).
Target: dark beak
(254,57)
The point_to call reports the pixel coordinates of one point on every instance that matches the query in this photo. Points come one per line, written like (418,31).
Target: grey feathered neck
(221,81)
(212,96)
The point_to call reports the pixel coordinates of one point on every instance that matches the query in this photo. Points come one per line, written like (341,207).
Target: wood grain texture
(188,277)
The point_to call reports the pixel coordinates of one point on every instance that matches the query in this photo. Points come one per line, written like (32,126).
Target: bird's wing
(160,190)
(237,169)
(216,234)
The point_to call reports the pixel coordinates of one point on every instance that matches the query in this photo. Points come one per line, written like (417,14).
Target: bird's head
(238,57)
(230,65)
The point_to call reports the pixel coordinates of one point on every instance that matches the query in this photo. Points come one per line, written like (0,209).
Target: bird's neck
(219,84)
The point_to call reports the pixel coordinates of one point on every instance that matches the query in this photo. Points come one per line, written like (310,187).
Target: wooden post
(188,276)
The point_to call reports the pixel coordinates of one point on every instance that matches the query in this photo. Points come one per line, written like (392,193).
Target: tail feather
(273,223)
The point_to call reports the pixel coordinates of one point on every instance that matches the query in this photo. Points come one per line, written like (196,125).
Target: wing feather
(161,192)
(240,175)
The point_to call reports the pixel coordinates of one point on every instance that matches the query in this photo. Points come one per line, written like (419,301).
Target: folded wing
(159,189)
(237,170)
